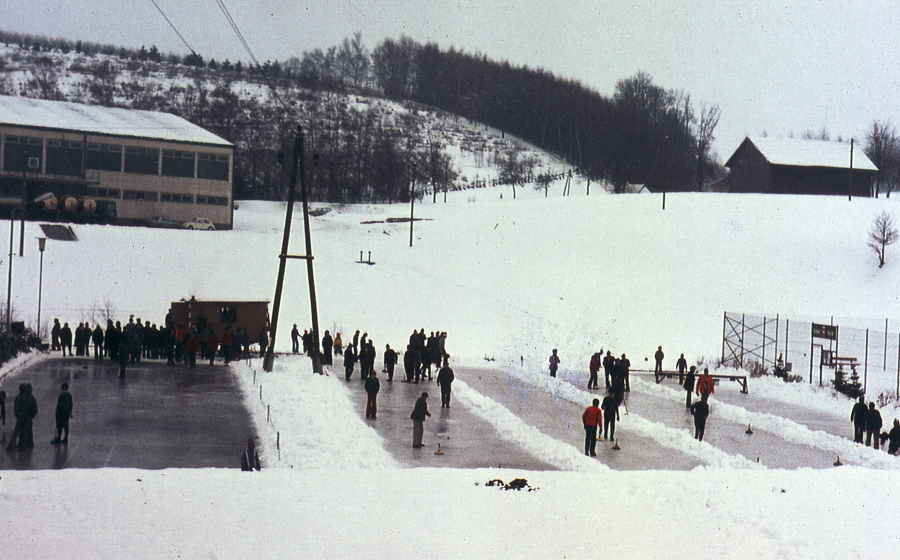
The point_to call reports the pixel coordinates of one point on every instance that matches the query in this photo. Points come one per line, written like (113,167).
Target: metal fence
(810,348)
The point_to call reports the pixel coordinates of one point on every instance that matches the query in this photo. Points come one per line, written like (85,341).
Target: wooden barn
(251,316)
(791,166)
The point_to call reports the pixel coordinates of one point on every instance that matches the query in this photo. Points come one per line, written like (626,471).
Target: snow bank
(310,415)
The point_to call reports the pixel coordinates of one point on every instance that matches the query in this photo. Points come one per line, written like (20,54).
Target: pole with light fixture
(42,244)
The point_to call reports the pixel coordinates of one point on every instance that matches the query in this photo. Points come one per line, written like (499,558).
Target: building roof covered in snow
(61,115)
(808,153)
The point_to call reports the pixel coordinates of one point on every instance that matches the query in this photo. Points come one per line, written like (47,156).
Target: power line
(172,25)
(240,36)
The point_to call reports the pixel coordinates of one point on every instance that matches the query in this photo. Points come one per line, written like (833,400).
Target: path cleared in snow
(466,440)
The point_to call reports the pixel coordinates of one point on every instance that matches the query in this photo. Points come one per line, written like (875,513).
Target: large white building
(148,164)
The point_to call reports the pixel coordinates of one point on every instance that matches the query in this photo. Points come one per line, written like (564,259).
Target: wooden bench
(741,379)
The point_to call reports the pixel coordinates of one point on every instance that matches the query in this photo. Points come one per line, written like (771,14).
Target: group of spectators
(867,422)
(139,339)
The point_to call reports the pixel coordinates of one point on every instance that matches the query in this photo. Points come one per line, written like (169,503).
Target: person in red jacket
(594,367)
(227,343)
(706,386)
(192,345)
(591,418)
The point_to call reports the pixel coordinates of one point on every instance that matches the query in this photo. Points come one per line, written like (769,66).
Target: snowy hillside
(477,152)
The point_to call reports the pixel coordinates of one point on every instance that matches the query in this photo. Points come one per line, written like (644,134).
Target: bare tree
(883,148)
(706,127)
(883,233)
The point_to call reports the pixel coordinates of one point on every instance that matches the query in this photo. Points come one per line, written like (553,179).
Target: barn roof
(61,115)
(808,153)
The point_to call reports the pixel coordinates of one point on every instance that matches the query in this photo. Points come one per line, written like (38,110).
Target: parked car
(199,223)
(161,222)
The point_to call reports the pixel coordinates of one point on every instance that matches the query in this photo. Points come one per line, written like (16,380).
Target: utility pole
(269,362)
(412,205)
(24,203)
(850,186)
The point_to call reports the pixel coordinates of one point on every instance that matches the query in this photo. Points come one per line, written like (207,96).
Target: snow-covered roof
(811,153)
(23,111)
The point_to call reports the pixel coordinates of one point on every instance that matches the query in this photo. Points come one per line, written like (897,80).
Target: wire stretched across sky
(172,25)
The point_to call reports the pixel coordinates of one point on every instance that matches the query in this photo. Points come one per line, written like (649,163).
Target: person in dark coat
(420,411)
(591,418)
(123,352)
(659,358)
(64,406)
(25,409)
(263,342)
(858,417)
(624,367)
(681,365)
(608,364)
(408,363)
(97,337)
(307,340)
(349,360)
(295,340)
(65,339)
(2,408)
(390,360)
(610,408)
(372,387)
(445,379)
(54,334)
(873,426)
(700,410)
(618,384)
(894,438)
(327,345)
(249,458)
(689,385)
(554,363)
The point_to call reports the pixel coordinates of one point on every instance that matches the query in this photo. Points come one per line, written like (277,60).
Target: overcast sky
(771,67)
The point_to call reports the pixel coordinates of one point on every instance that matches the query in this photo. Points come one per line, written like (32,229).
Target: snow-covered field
(507,279)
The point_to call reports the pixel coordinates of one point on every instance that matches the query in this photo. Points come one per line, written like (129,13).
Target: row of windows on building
(154,196)
(65,157)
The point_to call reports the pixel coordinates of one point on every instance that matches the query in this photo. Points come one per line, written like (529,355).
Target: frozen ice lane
(466,441)
(561,419)
(157,417)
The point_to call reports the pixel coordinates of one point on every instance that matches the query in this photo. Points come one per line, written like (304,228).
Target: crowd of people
(137,340)
(424,355)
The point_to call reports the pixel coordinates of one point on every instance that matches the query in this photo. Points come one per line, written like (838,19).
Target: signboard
(829,332)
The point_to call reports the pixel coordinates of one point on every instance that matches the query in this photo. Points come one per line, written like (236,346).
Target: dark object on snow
(250,459)
(516,484)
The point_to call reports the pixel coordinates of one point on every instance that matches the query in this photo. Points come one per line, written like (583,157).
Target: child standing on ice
(554,363)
